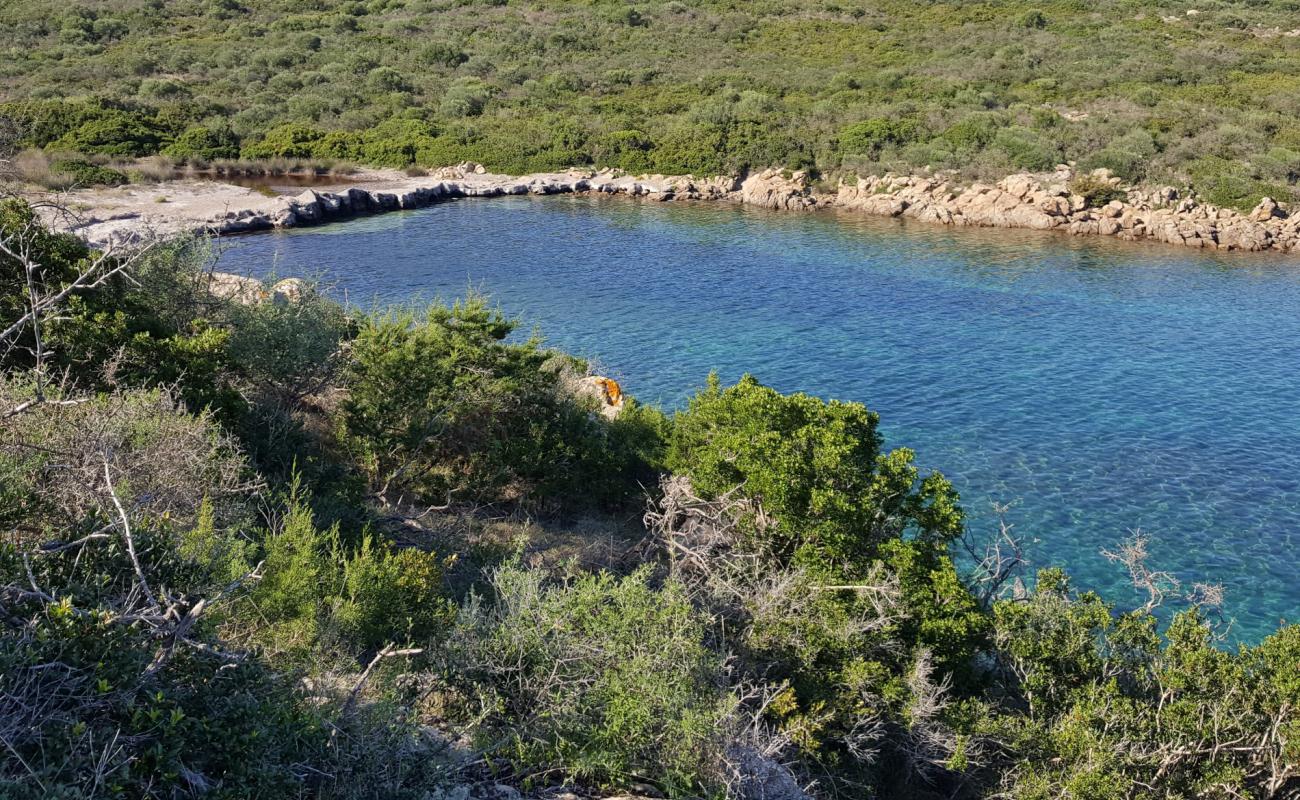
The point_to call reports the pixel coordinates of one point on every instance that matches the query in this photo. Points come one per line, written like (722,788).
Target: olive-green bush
(84,174)
(599,679)
(1112,703)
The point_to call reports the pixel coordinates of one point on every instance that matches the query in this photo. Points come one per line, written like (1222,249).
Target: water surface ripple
(1098,387)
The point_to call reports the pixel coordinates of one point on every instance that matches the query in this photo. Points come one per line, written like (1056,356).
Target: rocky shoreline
(1040,202)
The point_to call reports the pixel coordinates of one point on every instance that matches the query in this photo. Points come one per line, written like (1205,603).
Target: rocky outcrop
(251,291)
(1046,203)
(604,393)
(1039,202)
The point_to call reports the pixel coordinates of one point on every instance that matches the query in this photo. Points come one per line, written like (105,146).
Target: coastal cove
(1098,387)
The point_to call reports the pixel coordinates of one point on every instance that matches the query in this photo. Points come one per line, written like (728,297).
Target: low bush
(1114,703)
(1096,190)
(602,679)
(167,462)
(84,174)
(869,137)
(289,347)
(201,143)
(319,598)
(1233,184)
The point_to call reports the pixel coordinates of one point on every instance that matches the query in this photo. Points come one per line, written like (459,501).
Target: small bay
(1095,386)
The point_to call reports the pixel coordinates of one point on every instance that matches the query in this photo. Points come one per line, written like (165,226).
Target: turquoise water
(1098,387)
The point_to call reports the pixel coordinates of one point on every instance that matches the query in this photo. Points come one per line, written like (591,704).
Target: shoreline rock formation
(1038,202)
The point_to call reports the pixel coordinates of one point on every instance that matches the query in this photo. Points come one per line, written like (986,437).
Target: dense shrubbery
(441,408)
(603,678)
(226,574)
(816,467)
(1154,93)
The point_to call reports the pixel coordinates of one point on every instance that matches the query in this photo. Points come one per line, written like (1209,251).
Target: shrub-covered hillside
(255,544)
(1204,93)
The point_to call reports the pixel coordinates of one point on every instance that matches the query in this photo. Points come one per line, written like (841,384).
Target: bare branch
(126,534)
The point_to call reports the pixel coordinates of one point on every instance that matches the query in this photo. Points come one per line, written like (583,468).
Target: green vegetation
(243,557)
(1162,92)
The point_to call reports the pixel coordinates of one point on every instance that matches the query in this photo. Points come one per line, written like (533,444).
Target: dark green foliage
(318,596)
(441,406)
(288,347)
(204,144)
(1233,184)
(842,514)
(157,328)
(817,467)
(871,136)
(1096,191)
(57,719)
(1033,18)
(286,141)
(84,174)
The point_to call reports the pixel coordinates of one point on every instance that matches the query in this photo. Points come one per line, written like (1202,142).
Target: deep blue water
(1097,386)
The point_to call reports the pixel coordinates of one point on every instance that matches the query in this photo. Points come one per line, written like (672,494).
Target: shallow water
(1098,387)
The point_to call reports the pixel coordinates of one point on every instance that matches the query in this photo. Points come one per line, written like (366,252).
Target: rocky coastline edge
(1030,201)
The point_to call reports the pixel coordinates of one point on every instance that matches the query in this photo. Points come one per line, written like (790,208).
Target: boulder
(605,391)
(285,217)
(1266,210)
(289,291)
(771,189)
(307,208)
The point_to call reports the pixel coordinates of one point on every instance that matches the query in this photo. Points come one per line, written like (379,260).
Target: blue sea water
(1098,387)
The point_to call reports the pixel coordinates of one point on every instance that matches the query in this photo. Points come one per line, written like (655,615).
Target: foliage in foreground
(214,519)
(601,677)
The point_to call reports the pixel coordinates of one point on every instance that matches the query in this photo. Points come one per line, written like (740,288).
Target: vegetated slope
(246,514)
(1205,93)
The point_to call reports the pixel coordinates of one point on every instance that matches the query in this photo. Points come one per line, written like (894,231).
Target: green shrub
(114,133)
(319,598)
(442,54)
(1027,149)
(166,462)
(83,173)
(1096,191)
(870,136)
(204,144)
(1033,18)
(629,150)
(57,721)
(286,141)
(972,133)
(464,98)
(817,468)
(602,679)
(441,406)
(289,348)
(1095,683)
(1232,184)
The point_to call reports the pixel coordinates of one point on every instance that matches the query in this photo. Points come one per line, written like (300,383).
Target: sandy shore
(1041,202)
